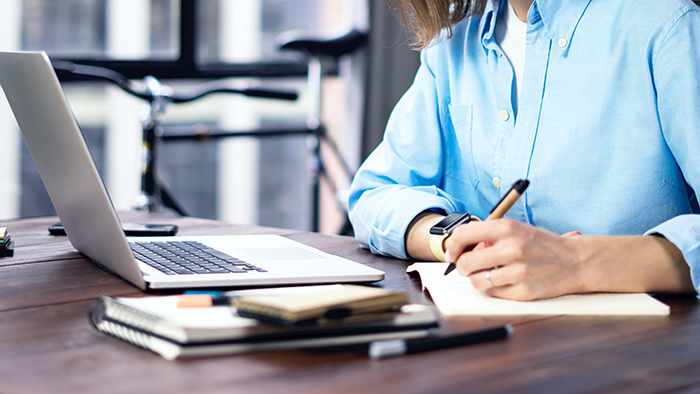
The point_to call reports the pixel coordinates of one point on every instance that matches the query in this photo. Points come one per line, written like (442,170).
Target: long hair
(426,19)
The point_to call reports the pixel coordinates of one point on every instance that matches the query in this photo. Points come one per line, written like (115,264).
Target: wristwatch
(443,229)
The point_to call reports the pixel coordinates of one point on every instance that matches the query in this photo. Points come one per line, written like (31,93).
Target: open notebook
(88,216)
(454,295)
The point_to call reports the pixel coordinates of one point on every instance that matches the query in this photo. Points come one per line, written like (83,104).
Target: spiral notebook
(158,325)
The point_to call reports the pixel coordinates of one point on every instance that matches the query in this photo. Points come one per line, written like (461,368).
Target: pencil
(502,207)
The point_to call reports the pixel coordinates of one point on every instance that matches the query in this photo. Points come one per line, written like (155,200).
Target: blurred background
(185,43)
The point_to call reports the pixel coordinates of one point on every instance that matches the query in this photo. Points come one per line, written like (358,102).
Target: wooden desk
(48,346)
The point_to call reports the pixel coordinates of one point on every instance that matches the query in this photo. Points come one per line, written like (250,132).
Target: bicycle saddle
(322,43)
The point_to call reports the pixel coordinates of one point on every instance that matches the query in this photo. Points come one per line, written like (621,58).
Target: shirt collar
(560,18)
(487,25)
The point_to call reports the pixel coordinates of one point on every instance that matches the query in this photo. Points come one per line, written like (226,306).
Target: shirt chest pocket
(459,149)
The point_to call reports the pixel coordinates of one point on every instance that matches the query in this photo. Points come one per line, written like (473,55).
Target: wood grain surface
(48,346)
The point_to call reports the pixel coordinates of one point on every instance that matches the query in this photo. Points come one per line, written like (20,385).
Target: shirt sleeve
(676,72)
(402,177)
(684,232)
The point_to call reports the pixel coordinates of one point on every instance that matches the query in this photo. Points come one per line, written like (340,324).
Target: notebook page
(454,295)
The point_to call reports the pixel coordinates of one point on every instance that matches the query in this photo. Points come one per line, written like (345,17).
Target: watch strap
(437,245)
(441,231)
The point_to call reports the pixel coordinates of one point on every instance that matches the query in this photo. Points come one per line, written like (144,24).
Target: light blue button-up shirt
(607,129)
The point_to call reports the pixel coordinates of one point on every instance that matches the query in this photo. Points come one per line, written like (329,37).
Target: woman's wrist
(630,264)
(417,236)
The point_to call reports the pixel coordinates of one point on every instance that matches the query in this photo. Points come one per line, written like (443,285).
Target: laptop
(92,225)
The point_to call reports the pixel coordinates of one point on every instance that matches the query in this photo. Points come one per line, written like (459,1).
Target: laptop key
(188,257)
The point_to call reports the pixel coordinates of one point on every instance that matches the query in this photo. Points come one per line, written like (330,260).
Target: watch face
(451,221)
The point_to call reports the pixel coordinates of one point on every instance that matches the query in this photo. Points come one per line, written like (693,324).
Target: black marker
(397,347)
(502,207)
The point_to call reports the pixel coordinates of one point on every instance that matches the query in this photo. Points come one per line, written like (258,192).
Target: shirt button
(562,42)
(503,114)
(497,182)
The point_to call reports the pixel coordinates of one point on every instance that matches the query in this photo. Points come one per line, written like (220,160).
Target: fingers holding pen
(515,260)
(499,263)
(497,278)
(477,238)
(480,242)
(519,261)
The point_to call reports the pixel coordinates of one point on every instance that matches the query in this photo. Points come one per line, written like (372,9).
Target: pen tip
(450,268)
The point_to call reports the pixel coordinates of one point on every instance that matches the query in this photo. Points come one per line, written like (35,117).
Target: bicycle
(159,97)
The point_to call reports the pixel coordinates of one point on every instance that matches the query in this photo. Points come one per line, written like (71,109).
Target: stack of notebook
(7,245)
(161,326)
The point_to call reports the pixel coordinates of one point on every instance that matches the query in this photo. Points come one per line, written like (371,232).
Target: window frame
(186,66)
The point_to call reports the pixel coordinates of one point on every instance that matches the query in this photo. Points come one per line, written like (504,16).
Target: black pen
(397,347)
(502,207)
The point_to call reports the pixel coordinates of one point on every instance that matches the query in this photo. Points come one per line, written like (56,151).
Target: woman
(596,102)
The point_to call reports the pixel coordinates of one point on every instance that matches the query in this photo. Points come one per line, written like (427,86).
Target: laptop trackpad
(278,254)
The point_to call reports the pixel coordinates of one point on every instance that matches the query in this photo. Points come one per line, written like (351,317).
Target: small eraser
(194,301)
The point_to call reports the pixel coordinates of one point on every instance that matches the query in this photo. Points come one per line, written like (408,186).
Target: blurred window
(182,43)
(179,32)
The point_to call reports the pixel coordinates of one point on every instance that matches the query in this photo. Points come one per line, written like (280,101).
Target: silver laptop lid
(64,162)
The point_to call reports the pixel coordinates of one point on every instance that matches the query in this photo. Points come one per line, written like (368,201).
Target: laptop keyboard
(188,257)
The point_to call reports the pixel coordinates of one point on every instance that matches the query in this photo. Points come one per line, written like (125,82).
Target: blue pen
(207,292)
